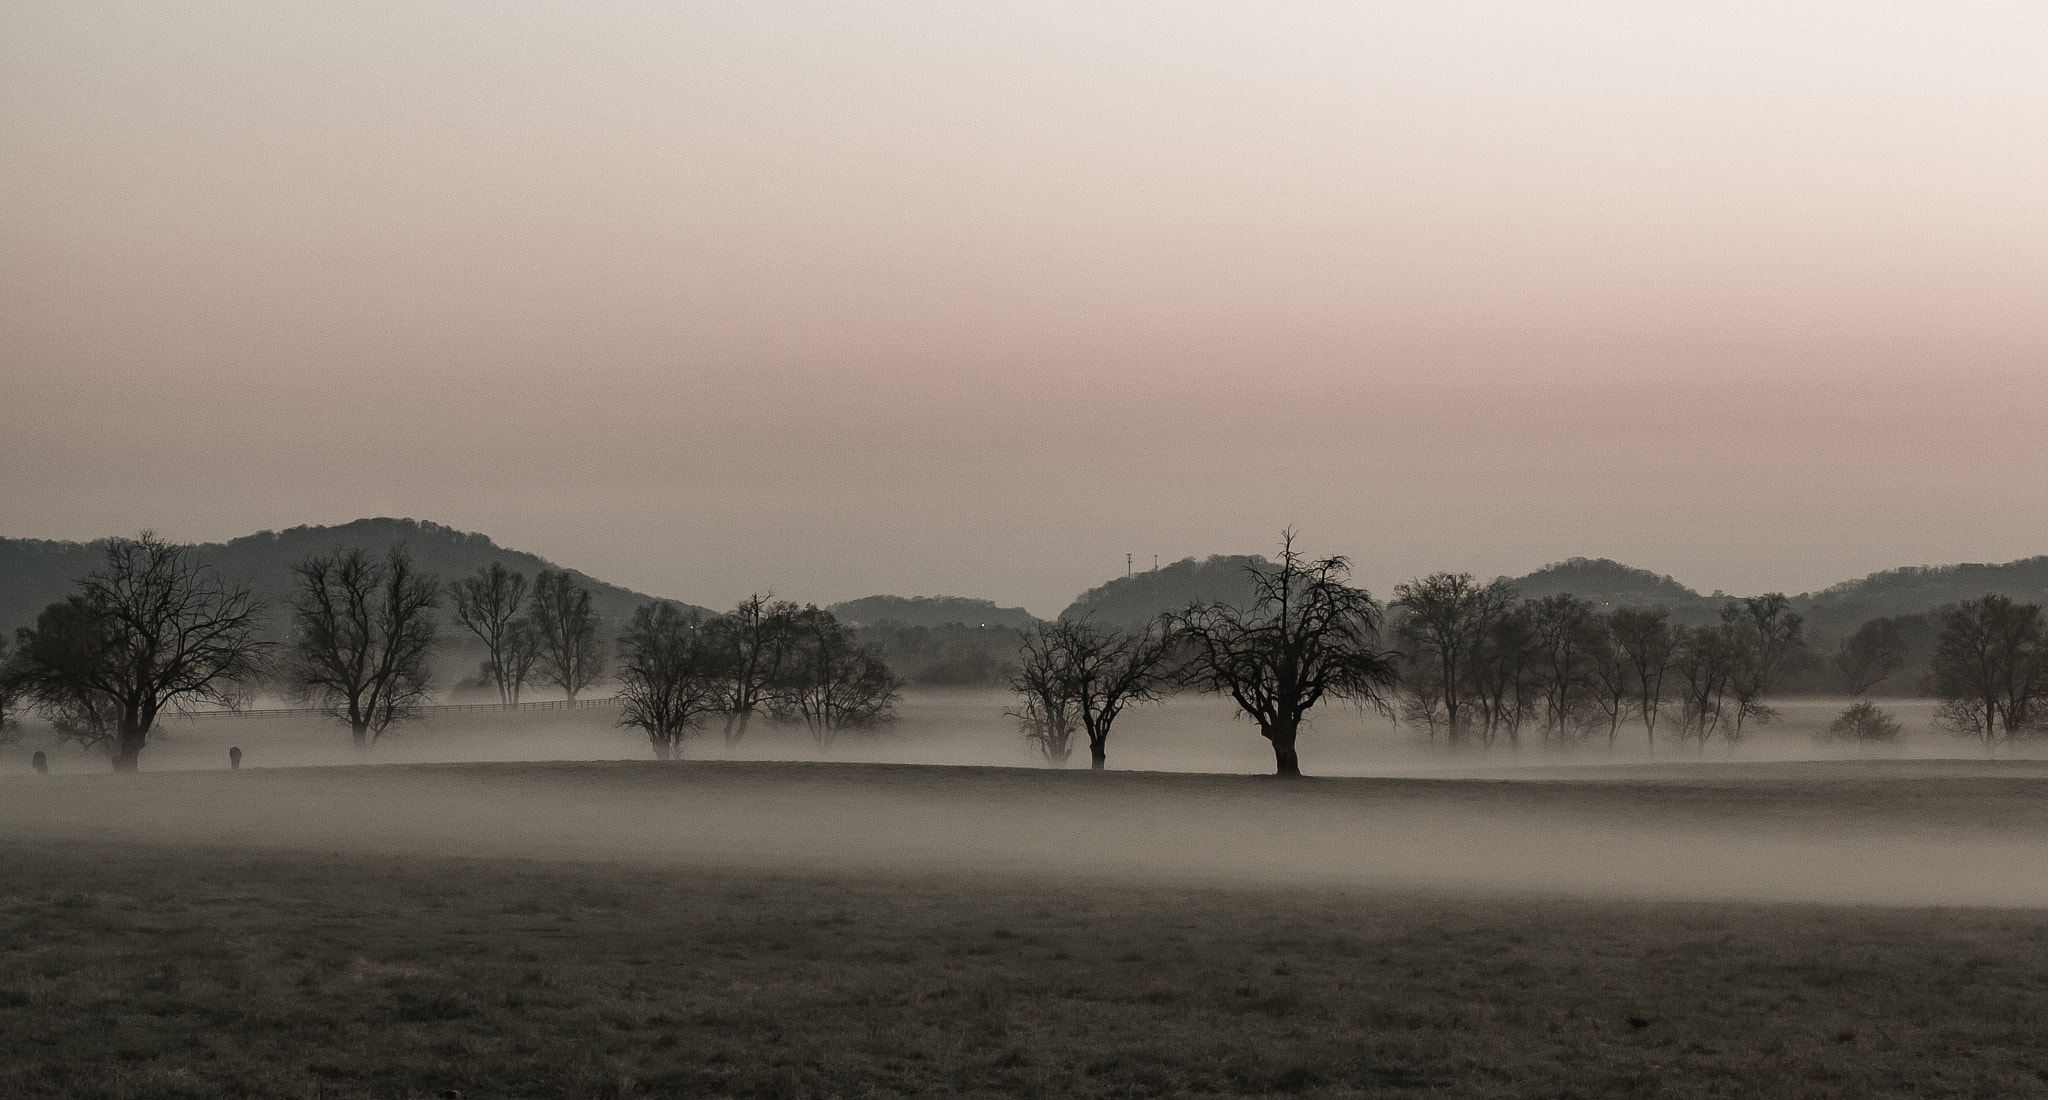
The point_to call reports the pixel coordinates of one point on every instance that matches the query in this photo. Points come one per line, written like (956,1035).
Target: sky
(976,298)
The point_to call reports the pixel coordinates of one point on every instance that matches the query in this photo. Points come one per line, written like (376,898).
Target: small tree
(149,629)
(1703,658)
(1567,636)
(362,630)
(1307,637)
(670,676)
(1048,713)
(1990,667)
(1645,637)
(756,637)
(1442,626)
(1088,675)
(1762,632)
(487,604)
(831,681)
(1863,722)
(1612,683)
(565,626)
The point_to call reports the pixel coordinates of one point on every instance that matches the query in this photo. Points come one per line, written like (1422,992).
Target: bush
(1864,721)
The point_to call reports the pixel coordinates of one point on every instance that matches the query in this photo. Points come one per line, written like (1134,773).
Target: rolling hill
(35,572)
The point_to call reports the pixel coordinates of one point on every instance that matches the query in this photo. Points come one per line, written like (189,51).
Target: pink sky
(842,299)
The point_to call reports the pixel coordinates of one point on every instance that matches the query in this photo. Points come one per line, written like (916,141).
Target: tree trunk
(663,751)
(359,732)
(128,748)
(1098,752)
(1286,763)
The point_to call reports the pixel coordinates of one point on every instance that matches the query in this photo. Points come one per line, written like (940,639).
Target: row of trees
(1305,637)
(1473,663)
(798,664)
(1480,664)
(152,630)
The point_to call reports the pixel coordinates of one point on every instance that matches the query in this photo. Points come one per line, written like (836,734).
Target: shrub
(1864,721)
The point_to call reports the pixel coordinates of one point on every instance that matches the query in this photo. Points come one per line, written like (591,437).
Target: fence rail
(434,708)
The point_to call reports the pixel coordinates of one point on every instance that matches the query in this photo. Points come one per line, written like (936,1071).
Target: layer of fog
(1931,834)
(1197,734)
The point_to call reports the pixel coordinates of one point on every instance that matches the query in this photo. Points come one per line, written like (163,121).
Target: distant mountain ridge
(36,572)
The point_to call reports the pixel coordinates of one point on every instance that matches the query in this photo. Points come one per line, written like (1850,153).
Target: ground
(172,962)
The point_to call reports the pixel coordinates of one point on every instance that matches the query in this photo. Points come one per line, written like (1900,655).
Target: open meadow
(761,928)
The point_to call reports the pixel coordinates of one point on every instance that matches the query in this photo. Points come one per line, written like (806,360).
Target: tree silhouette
(1307,636)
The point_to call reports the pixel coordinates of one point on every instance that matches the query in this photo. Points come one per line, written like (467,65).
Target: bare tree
(1048,712)
(1508,665)
(565,625)
(1990,664)
(671,675)
(1612,684)
(756,638)
(1088,675)
(831,681)
(1645,637)
(487,604)
(1762,632)
(1704,660)
(149,629)
(1870,655)
(1863,722)
(1567,635)
(362,630)
(1308,636)
(1443,624)
(10,695)
(521,654)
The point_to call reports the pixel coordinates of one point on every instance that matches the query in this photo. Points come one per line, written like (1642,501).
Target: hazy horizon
(900,298)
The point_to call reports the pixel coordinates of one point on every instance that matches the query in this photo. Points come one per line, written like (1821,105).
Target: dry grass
(135,971)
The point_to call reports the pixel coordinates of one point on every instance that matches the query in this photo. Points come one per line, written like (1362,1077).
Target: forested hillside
(1140,598)
(34,572)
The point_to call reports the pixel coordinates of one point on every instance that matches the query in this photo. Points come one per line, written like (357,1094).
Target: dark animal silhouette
(40,762)
(235,758)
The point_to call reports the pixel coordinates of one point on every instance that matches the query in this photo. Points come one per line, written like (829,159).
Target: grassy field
(171,962)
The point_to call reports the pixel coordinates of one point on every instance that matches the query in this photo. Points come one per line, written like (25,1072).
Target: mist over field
(1106,550)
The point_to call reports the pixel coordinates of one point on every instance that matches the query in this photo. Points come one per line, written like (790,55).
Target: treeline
(1480,664)
(151,630)
(1463,662)
(1475,664)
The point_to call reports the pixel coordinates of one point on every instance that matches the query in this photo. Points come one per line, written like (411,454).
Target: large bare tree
(362,631)
(565,625)
(1307,636)
(671,674)
(150,629)
(487,603)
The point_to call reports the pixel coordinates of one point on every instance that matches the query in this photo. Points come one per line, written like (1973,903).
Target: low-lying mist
(1185,734)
